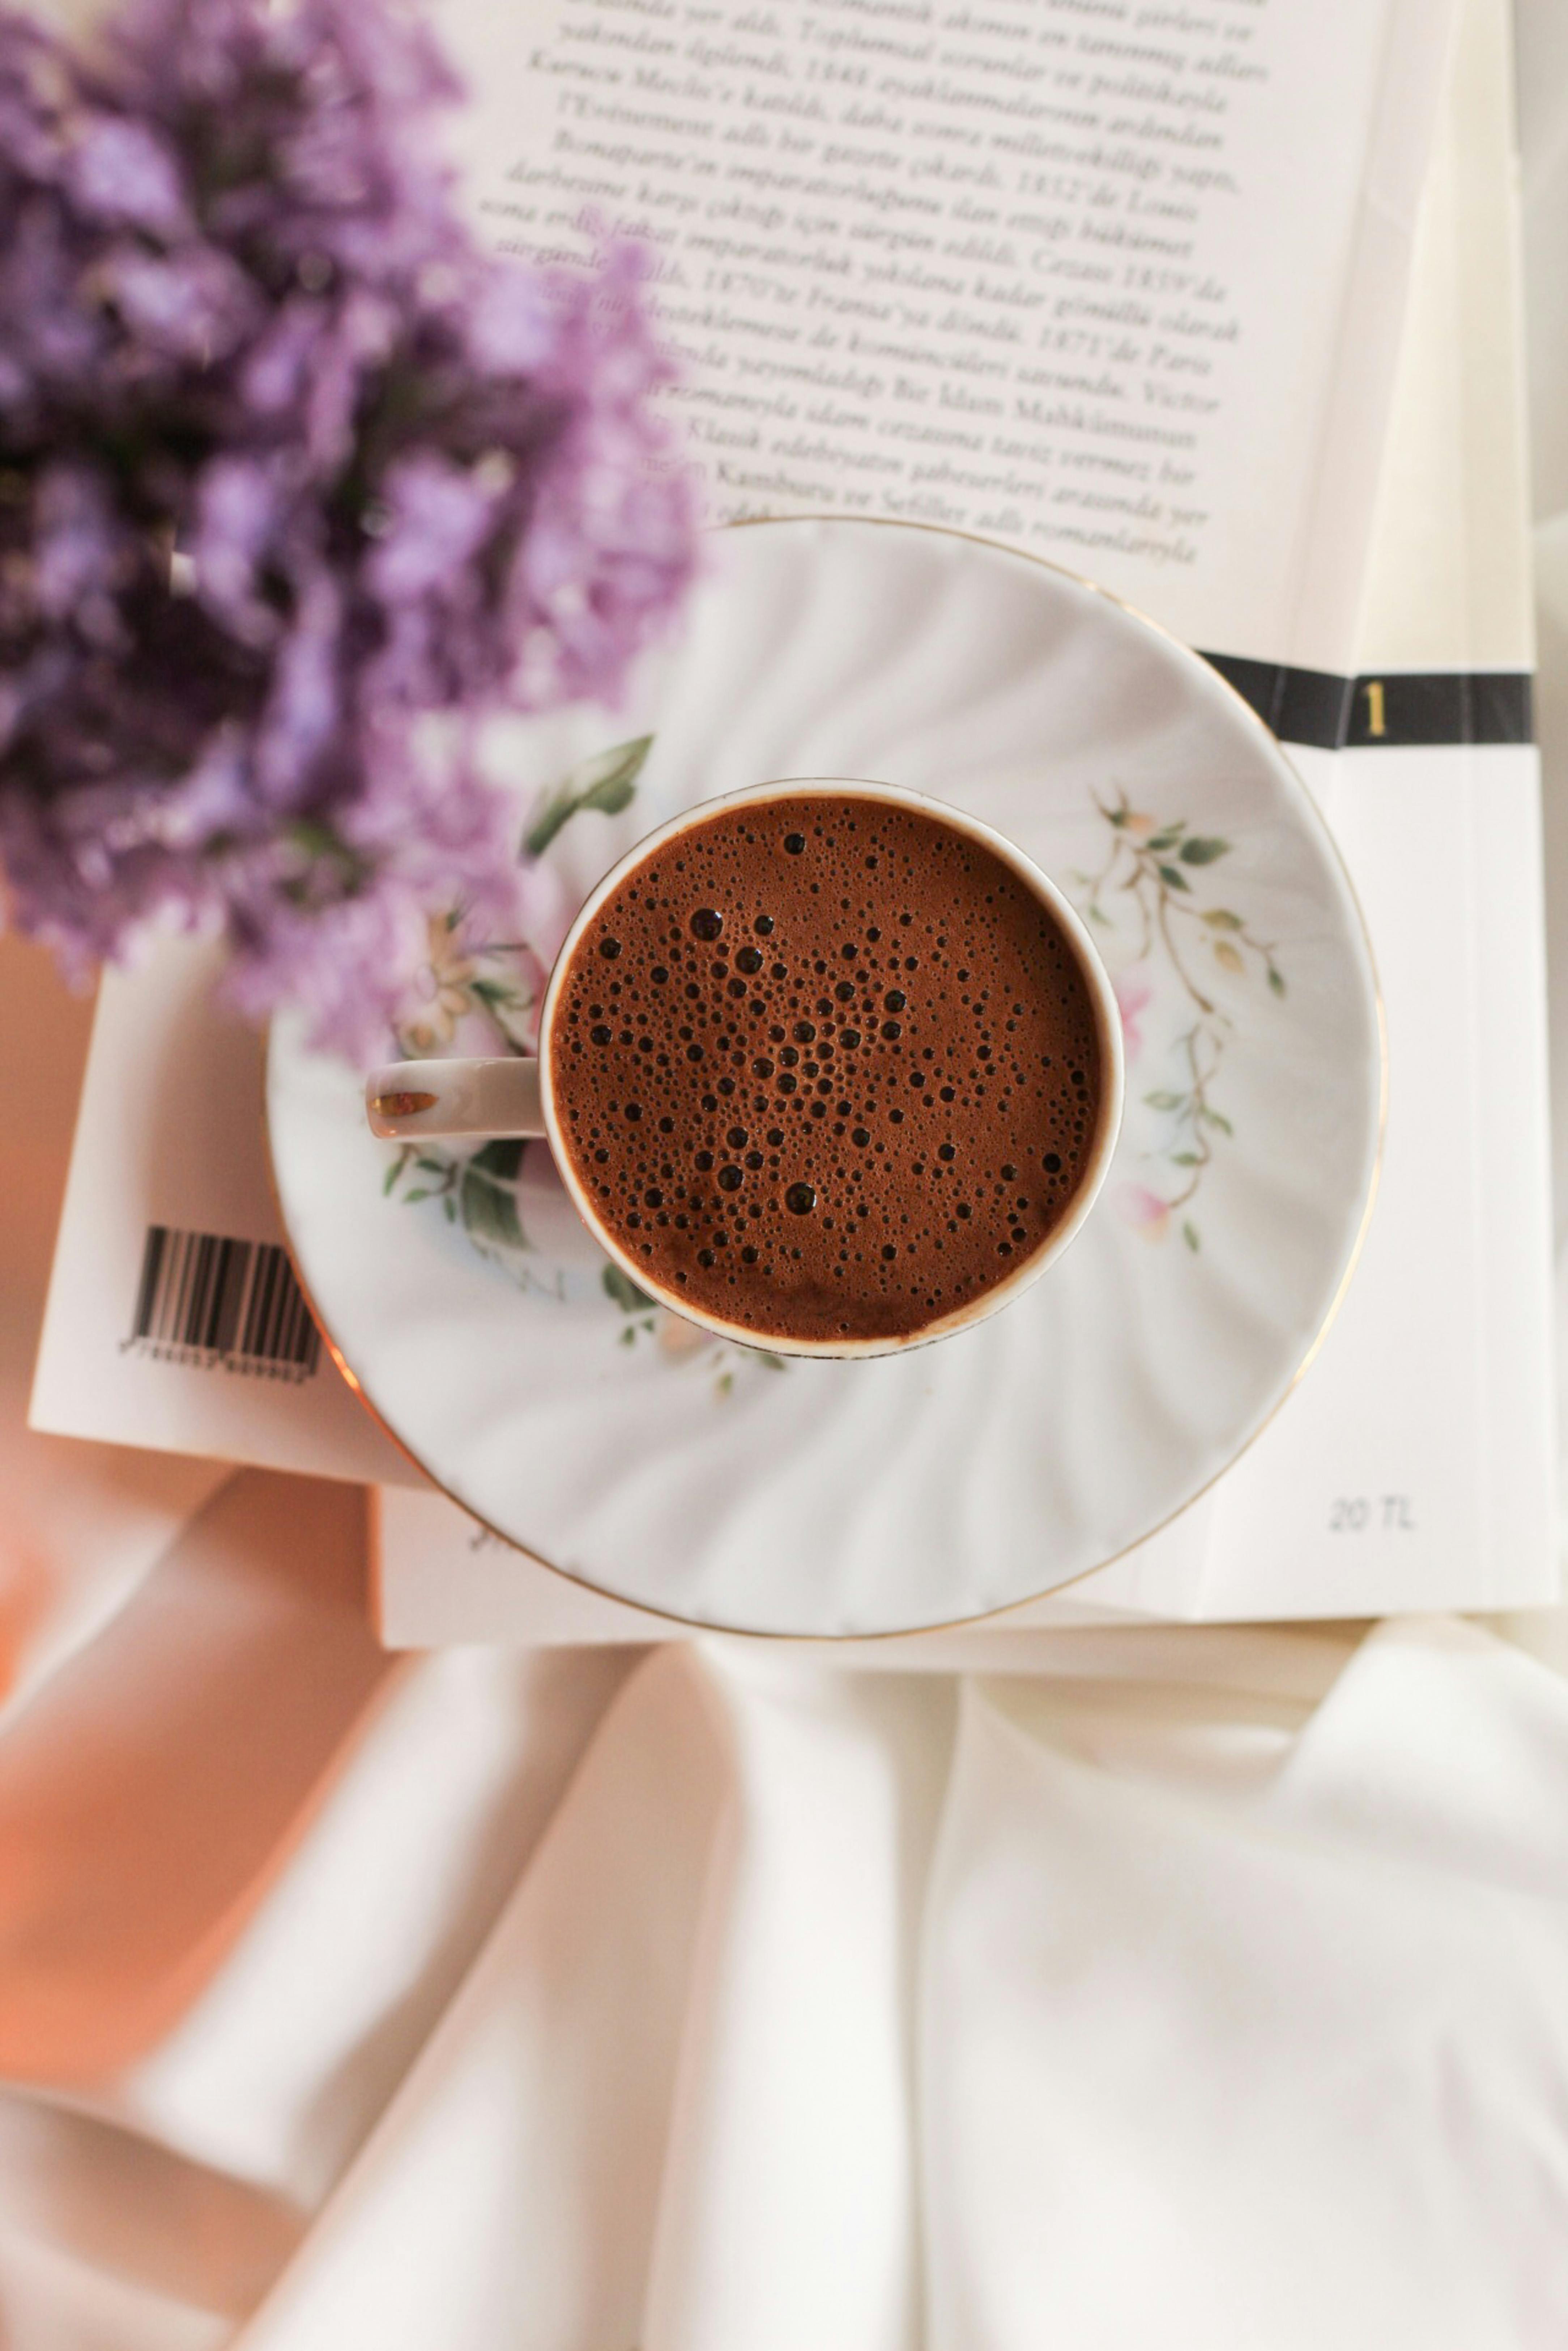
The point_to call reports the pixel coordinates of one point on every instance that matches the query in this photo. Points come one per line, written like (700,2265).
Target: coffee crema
(827,1069)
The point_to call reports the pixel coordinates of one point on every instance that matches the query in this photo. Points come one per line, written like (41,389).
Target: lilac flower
(296,484)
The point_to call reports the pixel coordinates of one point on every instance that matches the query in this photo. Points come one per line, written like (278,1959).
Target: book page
(1117,281)
(1414,1467)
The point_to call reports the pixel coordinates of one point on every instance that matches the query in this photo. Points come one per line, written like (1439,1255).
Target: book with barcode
(175,1317)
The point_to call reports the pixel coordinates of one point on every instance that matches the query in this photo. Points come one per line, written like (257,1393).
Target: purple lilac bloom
(296,484)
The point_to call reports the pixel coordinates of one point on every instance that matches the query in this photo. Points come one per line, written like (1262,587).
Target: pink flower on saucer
(1144,1211)
(678,1339)
(1135,994)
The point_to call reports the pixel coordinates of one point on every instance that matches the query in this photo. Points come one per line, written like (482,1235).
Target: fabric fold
(510,2192)
(789,2213)
(1263,2056)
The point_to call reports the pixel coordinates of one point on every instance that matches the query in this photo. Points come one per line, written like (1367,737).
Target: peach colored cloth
(1208,1993)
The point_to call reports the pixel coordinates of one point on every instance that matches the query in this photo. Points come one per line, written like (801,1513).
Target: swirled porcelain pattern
(854,1499)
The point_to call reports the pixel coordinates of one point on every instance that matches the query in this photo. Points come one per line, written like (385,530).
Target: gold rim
(991,1619)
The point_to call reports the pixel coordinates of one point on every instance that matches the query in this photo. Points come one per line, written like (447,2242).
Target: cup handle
(405,1101)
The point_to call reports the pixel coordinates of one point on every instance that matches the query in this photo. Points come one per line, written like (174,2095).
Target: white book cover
(1364,1496)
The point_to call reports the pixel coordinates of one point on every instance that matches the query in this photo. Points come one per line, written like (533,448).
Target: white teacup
(413,1100)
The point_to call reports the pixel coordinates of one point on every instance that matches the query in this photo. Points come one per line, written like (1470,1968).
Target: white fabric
(878,2011)
(1198,1987)
(1227,2020)
(1255,2048)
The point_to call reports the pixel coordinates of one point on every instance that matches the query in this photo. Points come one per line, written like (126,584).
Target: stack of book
(1217,304)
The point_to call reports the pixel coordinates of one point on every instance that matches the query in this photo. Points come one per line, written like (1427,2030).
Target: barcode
(206,1299)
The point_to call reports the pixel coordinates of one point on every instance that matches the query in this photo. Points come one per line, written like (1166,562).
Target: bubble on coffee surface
(857,1130)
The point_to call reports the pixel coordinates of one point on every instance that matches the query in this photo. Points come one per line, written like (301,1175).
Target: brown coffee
(827,1069)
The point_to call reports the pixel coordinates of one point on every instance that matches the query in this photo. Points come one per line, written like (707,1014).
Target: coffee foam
(826,1068)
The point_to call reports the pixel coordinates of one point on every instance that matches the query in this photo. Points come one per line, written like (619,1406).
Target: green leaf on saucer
(1276,980)
(489,1210)
(1174,878)
(1220,918)
(606,782)
(1165,1101)
(503,1157)
(1201,851)
(624,1291)
(1189,1235)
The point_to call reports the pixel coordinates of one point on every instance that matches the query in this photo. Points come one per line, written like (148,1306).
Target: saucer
(720,1485)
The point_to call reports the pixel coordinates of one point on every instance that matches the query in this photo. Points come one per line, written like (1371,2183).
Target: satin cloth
(1207,1990)
(1192,1989)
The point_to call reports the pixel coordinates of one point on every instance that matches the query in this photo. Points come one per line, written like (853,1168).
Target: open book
(1126,287)
(1121,284)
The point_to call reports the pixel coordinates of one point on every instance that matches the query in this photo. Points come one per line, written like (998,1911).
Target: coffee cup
(826,1067)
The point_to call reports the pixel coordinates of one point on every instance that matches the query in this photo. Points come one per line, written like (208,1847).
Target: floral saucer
(718,1485)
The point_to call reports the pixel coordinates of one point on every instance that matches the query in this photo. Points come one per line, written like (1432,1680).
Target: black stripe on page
(1387,710)
(155,1250)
